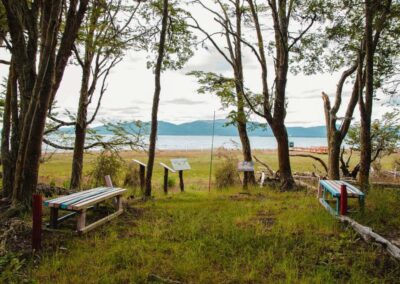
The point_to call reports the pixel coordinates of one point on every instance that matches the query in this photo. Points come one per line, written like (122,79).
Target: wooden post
(142,172)
(81,220)
(53,217)
(181,184)
(109,183)
(165,180)
(37,222)
(343,199)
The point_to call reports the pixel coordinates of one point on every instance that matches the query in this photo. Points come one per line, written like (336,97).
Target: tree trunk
(80,130)
(285,171)
(334,143)
(366,106)
(6,150)
(156,99)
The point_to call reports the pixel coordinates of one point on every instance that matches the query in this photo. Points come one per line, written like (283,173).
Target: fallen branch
(365,232)
(271,172)
(312,157)
(159,279)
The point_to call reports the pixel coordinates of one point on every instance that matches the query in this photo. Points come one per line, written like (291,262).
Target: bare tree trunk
(156,99)
(366,106)
(6,149)
(285,170)
(80,128)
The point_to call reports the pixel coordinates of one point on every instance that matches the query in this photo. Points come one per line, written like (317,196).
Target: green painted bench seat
(81,201)
(332,187)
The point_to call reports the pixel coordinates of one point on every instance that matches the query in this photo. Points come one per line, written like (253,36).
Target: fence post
(343,199)
(36,222)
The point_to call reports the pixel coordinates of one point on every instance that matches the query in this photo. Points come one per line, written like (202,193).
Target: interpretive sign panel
(246,166)
(180,164)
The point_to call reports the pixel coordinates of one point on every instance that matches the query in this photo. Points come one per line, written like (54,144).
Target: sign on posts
(246,166)
(181,164)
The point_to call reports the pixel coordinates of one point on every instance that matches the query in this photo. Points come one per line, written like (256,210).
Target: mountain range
(204,128)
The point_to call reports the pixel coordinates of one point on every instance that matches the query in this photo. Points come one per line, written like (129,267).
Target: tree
(32,24)
(385,136)
(284,14)
(173,49)
(105,35)
(229,17)
(340,45)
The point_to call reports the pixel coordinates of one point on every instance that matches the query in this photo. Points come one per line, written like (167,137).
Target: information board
(246,166)
(180,164)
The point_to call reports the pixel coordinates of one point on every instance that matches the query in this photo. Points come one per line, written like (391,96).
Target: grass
(225,236)
(220,237)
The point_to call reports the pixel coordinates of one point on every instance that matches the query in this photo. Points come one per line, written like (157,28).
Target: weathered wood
(270,171)
(181,183)
(167,167)
(53,217)
(142,176)
(139,162)
(89,202)
(99,222)
(365,232)
(108,181)
(81,220)
(165,180)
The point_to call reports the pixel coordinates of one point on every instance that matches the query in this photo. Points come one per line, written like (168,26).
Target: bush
(132,176)
(107,163)
(171,182)
(226,173)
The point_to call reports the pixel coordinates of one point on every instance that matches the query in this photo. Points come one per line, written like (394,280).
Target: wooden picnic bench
(333,187)
(78,203)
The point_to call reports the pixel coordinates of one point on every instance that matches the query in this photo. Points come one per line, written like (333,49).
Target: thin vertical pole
(212,154)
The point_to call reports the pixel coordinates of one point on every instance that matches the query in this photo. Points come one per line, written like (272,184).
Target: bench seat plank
(96,199)
(59,200)
(333,186)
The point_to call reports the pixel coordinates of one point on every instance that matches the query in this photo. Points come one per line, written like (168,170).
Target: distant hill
(204,128)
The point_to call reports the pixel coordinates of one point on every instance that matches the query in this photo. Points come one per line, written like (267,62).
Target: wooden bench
(333,187)
(78,203)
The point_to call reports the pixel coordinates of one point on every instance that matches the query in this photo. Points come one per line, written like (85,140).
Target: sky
(131,85)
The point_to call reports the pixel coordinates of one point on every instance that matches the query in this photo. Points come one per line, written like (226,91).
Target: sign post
(246,167)
(142,173)
(180,165)
(166,170)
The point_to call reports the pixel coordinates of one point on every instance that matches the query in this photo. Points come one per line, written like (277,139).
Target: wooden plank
(168,168)
(67,204)
(97,199)
(100,222)
(55,202)
(139,162)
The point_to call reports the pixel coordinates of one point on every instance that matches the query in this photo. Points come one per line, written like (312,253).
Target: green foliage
(171,182)
(10,268)
(132,176)
(385,135)
(226,174)
(107,163)
(335,43)
(180,41)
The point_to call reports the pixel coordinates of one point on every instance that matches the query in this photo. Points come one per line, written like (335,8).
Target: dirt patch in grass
(246,196)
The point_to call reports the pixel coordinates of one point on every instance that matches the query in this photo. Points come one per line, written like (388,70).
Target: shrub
(132,176)
(226,173)
(171,182)
(107,163)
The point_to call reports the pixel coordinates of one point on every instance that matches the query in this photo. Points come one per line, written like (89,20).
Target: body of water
(165,142)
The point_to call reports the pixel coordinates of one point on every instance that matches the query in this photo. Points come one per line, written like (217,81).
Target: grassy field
(222,236)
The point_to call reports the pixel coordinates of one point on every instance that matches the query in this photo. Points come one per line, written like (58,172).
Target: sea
(166,142)
(187,143)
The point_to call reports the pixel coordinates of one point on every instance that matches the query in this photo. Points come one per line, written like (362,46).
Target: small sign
(291,144)
(180,164)
(246,166)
